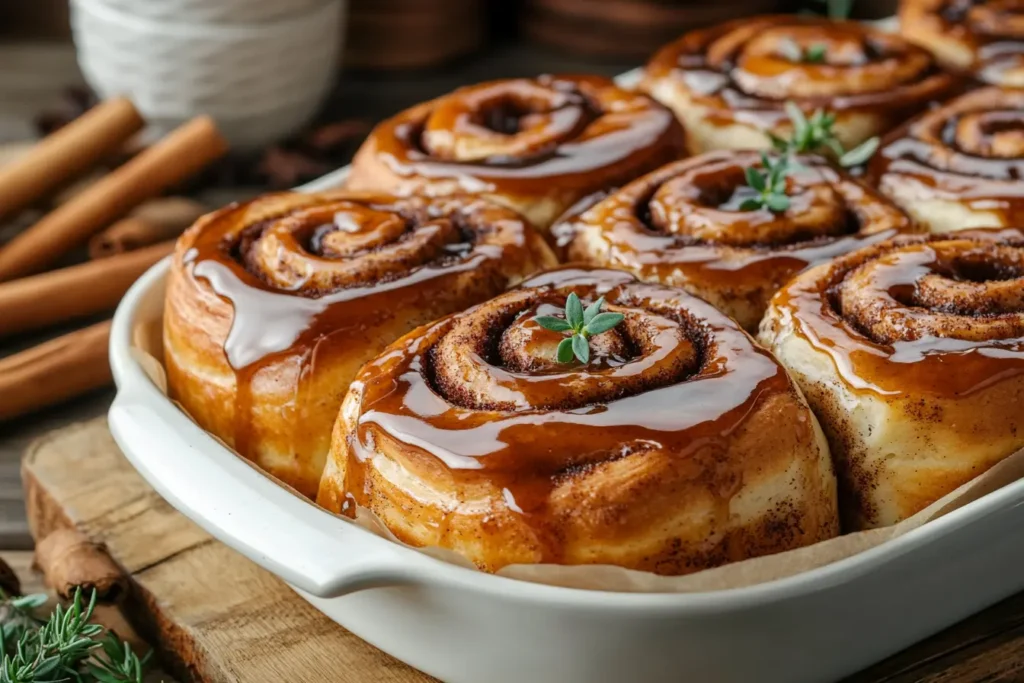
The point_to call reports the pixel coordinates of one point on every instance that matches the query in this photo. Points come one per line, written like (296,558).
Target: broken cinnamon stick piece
(66,153)
(70,561)
(154,221)
(179,155)
(54,371)
(74,292)
(9,582)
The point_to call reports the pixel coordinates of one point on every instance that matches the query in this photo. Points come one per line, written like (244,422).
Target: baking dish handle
(278,529)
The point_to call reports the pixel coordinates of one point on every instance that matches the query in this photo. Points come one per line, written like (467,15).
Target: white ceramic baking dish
(466,626)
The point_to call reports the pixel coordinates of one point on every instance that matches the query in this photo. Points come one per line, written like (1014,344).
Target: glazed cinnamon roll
(983,37)
(679,445)
(682,225)
(728,83)
(537,145)
(273,305)
(960,165)
(911,353)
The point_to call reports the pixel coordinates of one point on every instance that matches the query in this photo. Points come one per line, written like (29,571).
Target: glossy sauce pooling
(970,149)
(746,69)
(683,223)
(940,315)
(525,136)
(687,382)
(308,276)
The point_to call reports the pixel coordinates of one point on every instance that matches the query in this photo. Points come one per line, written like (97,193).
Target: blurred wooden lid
(400,34)
(627,28)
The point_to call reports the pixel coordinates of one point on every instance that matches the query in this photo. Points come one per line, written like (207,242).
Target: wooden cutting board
(215,616)
(211,614)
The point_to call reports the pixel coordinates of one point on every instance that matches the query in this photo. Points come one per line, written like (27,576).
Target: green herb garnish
(769,184)
(836,9)
(65,647)
(814,54)
(583,324)
(815,134)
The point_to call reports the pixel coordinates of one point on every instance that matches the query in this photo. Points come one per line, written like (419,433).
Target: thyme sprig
(65,647)
(815,134)
(837,9)
(583,324)
(791,50)
(770,184)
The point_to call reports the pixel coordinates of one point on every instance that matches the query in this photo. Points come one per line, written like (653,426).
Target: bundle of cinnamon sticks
(123,218)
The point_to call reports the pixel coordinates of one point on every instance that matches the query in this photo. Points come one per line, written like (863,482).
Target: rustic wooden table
(987,647)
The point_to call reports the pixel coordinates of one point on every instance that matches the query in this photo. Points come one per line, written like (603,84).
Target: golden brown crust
(911,353)
(537,145)
(983,37)
(680,446)
(728,83)
(273,305)
(960,165)
(681,225)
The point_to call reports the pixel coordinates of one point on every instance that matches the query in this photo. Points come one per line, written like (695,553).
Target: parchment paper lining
(148,350)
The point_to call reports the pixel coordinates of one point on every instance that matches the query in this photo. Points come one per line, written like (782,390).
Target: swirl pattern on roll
(681,225)
(680,445)
(272,306)
(728,83)
(538,145)
(911,352)
(960,165)
(983,37)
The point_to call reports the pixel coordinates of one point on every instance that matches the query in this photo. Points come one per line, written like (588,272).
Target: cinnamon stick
(66,153)
(74,292)
(10,584)
(154,221)
(179,155)
(70,561)
(54,371)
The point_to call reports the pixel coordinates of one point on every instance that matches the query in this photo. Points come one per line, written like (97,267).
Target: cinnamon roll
(679,445)
(682,225)
(273,305)
(983,37)
(537,145)
(960,165)
(728,83)
(911,353)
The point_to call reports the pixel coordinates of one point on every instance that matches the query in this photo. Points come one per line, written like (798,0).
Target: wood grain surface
(212,614)
(215,616)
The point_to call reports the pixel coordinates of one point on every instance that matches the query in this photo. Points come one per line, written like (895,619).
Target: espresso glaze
(723,378)
(681,225)
(741,73)
(969,150)
(581,134)
(985,37)
(940,363)
(370,257)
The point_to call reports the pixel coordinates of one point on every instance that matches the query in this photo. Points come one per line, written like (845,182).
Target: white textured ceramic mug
(260,81)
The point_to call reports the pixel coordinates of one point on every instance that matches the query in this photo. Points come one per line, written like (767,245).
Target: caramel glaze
(740,71)
(681,225)
(289,293)
(969,150)
(985,37)
(478,397)
(939,316)
(521,141)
